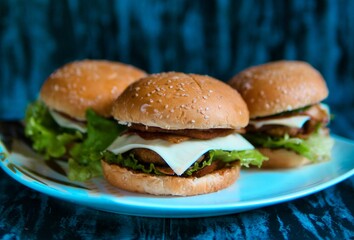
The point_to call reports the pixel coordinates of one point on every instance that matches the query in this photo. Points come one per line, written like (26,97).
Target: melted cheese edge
(294,121)
(67,122)
(180,156)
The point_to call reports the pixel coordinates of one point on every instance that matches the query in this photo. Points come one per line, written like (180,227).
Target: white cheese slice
(295,121)
(180,156)
(67,122)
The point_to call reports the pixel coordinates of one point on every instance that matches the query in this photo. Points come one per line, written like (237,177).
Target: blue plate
(249,192)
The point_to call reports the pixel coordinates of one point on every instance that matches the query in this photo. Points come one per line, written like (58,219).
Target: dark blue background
(218,38)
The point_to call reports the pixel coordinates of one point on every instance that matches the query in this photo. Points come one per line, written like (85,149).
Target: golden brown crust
(282,158)
(87,84)
(179,101)
(279,86)
(170,185)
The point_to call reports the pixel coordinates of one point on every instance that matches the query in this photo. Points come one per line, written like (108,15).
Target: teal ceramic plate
(249,192)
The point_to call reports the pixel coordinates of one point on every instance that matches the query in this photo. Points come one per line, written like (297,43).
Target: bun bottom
(170,185)
(282,158)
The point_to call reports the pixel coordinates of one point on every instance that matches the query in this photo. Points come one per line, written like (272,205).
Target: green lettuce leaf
(316,148)
(47,136)
(83,150)
(246,158)
(85,156)
(129,161)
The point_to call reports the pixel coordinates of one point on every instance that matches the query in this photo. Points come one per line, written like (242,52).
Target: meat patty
(203,134)
(147,156)
(164,136)
(318,116)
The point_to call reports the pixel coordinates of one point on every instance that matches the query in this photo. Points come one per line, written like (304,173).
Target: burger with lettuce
(288,123)
(182,136)
(72,120)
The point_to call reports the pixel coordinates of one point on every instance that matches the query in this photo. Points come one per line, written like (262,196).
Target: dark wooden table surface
(27,214)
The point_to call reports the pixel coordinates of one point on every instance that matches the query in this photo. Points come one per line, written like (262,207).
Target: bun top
(181,101)
(279,86)
(77,86)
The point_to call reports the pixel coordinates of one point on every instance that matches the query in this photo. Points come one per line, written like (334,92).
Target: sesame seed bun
(175,100)
(279,86)
(170,185)
(80,85)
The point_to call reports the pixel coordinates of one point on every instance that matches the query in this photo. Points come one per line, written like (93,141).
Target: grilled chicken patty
(317,116)
(147,156)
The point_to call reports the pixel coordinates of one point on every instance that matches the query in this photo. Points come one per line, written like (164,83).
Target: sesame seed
(113,75)
(78,72)
(143,107)
(205,97)
(151,100)
(114,90)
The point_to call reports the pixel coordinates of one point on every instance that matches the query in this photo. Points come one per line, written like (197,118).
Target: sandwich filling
(303,131)
(182,153)
(57,136)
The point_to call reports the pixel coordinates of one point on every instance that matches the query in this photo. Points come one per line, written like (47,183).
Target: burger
(72,117)
(182,136)
(288,123)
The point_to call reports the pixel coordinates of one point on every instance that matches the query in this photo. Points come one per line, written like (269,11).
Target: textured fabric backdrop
(218,38)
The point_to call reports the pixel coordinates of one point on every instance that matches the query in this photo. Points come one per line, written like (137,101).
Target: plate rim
(179,211)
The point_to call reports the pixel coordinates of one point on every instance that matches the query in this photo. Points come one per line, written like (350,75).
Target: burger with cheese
(288,123)
(182,138)
(72,117)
